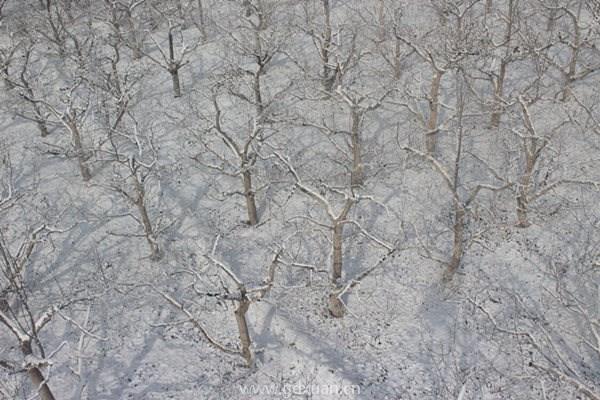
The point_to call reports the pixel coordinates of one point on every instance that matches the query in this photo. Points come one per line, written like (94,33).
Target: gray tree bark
(36,376)
(432,122)
(250,199)
(242,323)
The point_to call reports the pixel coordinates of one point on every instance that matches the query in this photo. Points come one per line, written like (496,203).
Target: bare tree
(246,88)
(127,21)
(53,26)
(388,18)
(338,215)
(7,56)
(24,85)
(560,340)
(115,83)
(463,194)
(359,106)
(2,4)
(324,46)
(201,20)
(17,313)
(338,50)
(134,159)
(244,156)
(66,28)
(20,314)
(244,296)
(534,147)
(442,49)
(578,40)
(72,113)
(168,60)
(509,53)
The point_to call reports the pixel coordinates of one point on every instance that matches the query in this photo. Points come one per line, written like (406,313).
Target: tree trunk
(357,173)
(182,15)
(457,248)
(43,129)
(39,120)
(522,205)
(570,76)
(432,122)
(334,305)
(488,6)
(250,200)
(498,93)
(551,24)
(523,201)
(58,38)
(256,87)
(245,340)
(36,376)
(173,67)
(328,72)
(202,21)
(523,193)
(155,252)
(2,4)
(79,151)
(499,89)
(381,21)
(336,262)
(7,83)
(39,116)
(134,38)
(176,85)
(566,93)
(397,60)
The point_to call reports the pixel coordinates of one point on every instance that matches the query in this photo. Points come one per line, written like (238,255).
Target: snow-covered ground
(519,318)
